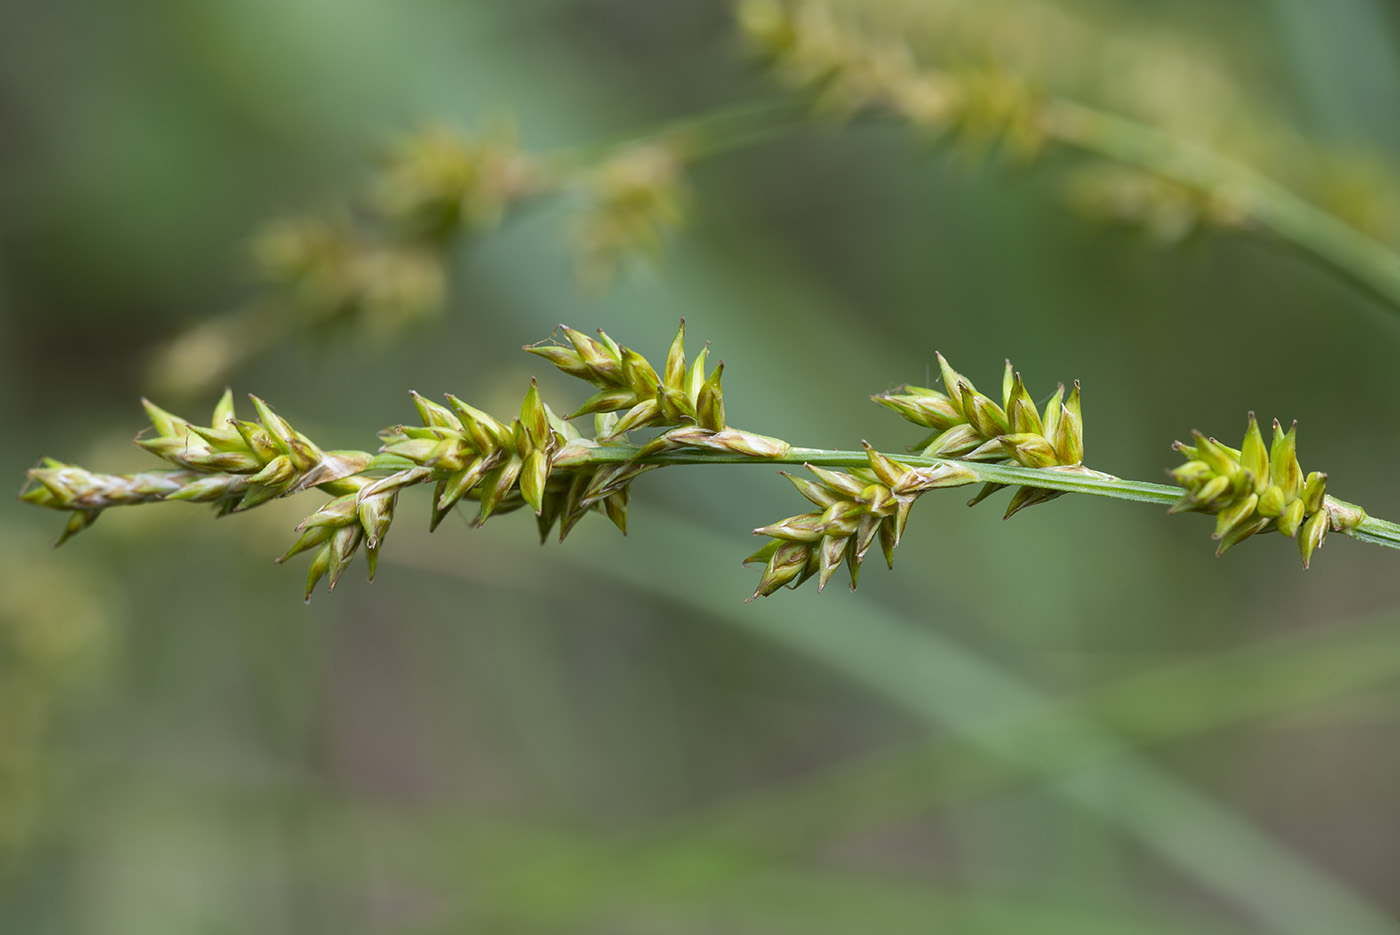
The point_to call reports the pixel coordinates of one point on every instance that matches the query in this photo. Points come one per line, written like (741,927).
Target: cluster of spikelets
(380,263)
(384,266)
(236,465)
(542,461)
(1252,490)
(854,509)
(539,460)
(858,507)
(634,198)
(856,57)
(438,184)
(971,426)
(850,68)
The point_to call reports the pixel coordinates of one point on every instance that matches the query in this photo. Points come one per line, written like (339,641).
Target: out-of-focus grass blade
(791,900)
(1009,729)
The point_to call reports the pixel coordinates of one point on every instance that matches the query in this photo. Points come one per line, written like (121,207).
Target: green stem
(1068,481)
(1375,531)
(1318,234)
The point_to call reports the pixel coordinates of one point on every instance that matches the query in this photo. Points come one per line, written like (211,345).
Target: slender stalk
(706,134)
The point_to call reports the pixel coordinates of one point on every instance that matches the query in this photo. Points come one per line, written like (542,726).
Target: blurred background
(1078,721)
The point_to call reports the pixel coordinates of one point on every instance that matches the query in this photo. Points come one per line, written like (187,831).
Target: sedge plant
(540,460)
(382,264)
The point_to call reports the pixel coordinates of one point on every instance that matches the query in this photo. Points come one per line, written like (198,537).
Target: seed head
(1251,490)
(970,426)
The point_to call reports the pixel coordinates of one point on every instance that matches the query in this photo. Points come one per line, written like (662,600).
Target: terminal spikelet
(231,463)
(1251,490)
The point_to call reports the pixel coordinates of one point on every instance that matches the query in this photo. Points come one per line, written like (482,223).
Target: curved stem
(1317,233)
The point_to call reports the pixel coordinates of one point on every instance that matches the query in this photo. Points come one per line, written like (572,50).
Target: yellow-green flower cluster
(971,426)
(1252,489)
(542,461)
(681,396)
(383,266)
(1166,211)
(855,509)
(361,517)
(476,456)
(538,460)
(438,183)
(636,197)
(632,395)
(327,273)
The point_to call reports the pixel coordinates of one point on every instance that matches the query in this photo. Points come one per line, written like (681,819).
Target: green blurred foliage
(601,736)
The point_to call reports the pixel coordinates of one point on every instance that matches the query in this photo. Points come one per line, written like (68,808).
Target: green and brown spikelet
(1252,490)
(475,455)
(971,426)
(360,517)
(680,398)
(855,509)
(539,460)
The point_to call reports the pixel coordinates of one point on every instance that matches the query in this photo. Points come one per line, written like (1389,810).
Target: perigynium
(542,461)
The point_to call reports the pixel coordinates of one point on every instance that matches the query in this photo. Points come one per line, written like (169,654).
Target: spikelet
(971,426)
(1251,489)
(854,511)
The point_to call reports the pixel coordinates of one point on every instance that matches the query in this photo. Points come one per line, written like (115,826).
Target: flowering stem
(1376,531)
